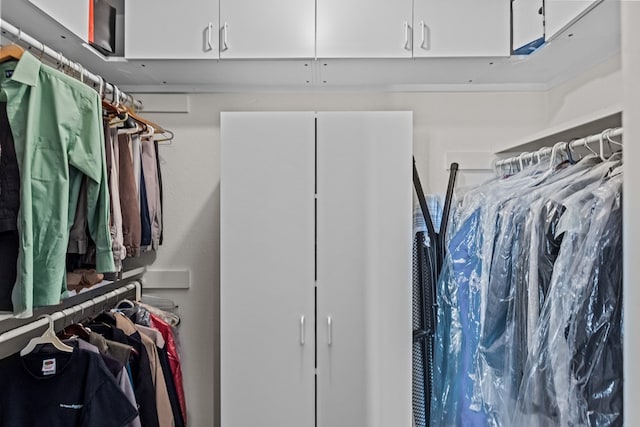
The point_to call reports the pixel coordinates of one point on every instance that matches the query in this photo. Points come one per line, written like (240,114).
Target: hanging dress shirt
(56,125)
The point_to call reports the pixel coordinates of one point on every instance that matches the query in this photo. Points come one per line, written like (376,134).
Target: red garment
(174,359)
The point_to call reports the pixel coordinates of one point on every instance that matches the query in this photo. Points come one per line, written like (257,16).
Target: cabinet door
(528,23)
(364,28)
(267,269)
(462,28)
(165,29)
(267,28)
(559,14)
(364,269)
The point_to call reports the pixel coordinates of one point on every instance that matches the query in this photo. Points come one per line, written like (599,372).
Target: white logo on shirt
(62,405)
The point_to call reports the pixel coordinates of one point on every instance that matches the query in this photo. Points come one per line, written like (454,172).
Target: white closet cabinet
(267,29)
(461,28)
(364,28)
(316,269)
(559,14)
(165,29)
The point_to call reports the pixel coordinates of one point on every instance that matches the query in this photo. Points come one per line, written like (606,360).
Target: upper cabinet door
(461,28)
(164,29)
(559,14)
(364,28)
(267,28)
(528,24)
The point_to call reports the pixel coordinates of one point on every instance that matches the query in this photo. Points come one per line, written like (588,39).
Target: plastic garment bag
(594,335)
(457,398)
(458,330)
(511,291)
(497,277)
(574,370)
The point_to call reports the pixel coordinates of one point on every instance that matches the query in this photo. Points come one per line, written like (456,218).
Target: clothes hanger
(168,138)
(569,151)
(601,146)
(588,147)
(125,303)
(78,330)
(10,52)
(149,132)
(611,140)
(521,161)
(118,119)
(114,106)
(607,133)
(48,337)
(554,155)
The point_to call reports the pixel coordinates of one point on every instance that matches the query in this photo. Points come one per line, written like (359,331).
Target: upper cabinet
(364,28)
(461,28)
(164,29)
(559,14)
(267,29)
(325,29)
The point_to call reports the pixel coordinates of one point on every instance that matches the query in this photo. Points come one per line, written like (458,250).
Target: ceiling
(590,41)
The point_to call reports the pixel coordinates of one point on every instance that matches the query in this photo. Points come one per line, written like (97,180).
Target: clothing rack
(56,57)
(600,138)
(14,340)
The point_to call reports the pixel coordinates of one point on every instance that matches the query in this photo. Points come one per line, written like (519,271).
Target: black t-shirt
(57,389)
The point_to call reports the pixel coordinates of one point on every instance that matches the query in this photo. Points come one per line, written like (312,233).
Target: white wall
(597,89)
(442,122)
(631,121)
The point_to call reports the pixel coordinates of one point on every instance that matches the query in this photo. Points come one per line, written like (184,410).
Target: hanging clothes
(55,123)
(141,371)
(129,199)
(113,167)
(174,359)
(574,371)
(151,179)
(9,207)
(118,370)
(47,388)
(520,302)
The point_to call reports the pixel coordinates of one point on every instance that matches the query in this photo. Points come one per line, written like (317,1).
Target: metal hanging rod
(19,336)
(600,138)
(54,56)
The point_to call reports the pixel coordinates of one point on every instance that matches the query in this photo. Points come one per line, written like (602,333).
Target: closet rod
(132,289)
(58,58)
(582,142)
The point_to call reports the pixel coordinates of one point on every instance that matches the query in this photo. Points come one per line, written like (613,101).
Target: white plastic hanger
(608,133)
(586,145)
(49,337)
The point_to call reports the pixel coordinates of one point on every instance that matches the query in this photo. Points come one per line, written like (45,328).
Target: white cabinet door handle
(225,42)
(209,34)
(329,330)
(407,36)
(423,38)
(301,330)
